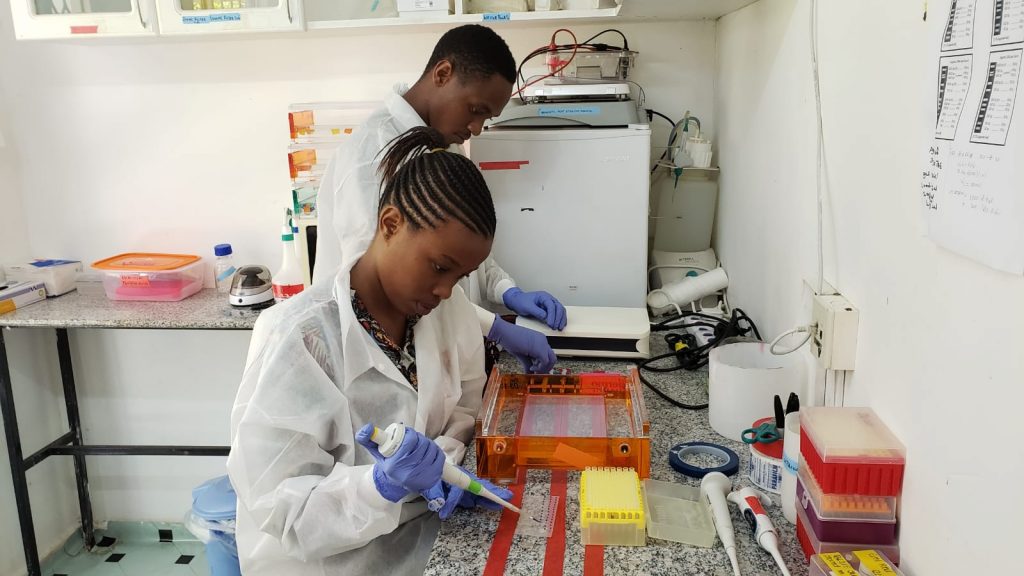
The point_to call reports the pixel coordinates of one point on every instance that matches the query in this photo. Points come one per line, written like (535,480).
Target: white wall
(13,232)
(176,145)
(940,336)
(40,414)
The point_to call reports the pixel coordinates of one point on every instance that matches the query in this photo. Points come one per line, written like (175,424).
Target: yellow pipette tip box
(612,507)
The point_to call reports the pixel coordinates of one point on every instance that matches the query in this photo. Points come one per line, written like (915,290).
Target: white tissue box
(57,275)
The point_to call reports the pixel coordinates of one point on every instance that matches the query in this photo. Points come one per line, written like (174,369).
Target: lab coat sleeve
(458,431)
(486,319)
(291,433)
(495,281)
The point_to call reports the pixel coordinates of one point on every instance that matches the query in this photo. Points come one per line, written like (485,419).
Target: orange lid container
(145,262)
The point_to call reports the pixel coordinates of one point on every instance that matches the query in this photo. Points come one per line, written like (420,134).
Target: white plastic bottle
(298,239)
(288,280)
(223,268)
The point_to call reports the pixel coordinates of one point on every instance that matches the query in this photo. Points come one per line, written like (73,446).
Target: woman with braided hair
(393,340)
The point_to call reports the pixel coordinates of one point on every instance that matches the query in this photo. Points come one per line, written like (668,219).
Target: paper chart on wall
(971,190)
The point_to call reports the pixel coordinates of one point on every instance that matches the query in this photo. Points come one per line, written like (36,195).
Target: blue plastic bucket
(214,501)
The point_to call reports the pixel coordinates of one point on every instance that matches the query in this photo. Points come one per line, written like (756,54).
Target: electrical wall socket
(834,342)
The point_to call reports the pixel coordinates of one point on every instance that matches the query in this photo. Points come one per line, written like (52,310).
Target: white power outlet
(834,342)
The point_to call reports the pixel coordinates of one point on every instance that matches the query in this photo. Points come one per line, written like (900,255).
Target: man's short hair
(475,52)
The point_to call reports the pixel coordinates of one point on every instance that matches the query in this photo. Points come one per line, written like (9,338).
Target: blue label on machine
(569,110)
(497,17)
(212,18)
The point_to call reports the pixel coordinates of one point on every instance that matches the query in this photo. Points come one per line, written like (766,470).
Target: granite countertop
(465,539)
(205,310)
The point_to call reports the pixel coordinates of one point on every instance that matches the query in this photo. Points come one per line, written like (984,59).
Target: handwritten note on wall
(971,192)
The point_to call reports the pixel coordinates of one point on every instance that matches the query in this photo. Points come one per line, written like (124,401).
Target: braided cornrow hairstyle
(429,185)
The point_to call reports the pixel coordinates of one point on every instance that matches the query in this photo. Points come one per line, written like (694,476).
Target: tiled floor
(132,549)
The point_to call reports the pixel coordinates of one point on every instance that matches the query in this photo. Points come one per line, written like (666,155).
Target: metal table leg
(67,376)
(21,496)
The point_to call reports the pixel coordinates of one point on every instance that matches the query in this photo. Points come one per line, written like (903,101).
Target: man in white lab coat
(468,80)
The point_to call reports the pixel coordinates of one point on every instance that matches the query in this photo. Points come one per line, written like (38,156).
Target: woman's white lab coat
(307,503)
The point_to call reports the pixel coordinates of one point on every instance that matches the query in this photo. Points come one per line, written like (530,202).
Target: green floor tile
(144,559)
(178,532)
(133,531)
(175,570)
(200,567)
(191,548)
(181,534)
(142,554)
(84,564)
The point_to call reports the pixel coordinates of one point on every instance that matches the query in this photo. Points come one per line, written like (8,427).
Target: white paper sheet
(971,192)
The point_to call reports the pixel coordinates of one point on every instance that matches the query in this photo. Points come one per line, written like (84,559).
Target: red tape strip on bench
(502,542)
(593,560)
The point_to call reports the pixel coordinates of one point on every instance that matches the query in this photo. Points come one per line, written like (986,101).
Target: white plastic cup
(743,379)
(790,465)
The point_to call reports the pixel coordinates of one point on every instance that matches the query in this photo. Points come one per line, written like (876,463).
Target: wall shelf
(168,18)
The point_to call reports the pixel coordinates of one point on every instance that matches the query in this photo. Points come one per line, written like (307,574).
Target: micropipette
(750,503)
(713,487)
(388,441)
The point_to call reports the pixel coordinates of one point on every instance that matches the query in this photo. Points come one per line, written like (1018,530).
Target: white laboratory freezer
(572,210)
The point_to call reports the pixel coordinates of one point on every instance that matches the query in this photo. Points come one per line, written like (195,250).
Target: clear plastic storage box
(675,512)
(151,277)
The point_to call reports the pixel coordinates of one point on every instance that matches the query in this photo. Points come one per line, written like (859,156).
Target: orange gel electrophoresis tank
(562,422)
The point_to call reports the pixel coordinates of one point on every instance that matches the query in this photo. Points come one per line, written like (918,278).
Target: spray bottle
(289,279)
(751,503)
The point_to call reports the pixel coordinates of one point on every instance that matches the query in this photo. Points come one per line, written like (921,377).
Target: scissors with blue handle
(765,433)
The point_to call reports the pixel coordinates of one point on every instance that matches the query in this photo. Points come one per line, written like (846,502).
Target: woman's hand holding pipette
(414,467)
(455,495)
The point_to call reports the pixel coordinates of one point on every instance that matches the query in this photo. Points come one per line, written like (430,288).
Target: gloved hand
(454,496)
(529,346)
(414,467)
(539,305)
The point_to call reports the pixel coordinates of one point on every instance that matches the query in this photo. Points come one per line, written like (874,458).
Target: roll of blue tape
(679,451)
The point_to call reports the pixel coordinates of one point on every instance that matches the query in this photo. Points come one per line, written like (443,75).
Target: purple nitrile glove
(529,346)
(459,497)
(415,466)
(539,305)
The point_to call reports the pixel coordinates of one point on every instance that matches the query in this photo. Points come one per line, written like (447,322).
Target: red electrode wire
(562,66)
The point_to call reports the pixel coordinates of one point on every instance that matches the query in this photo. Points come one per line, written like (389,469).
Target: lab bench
(465,540)
(206,310)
